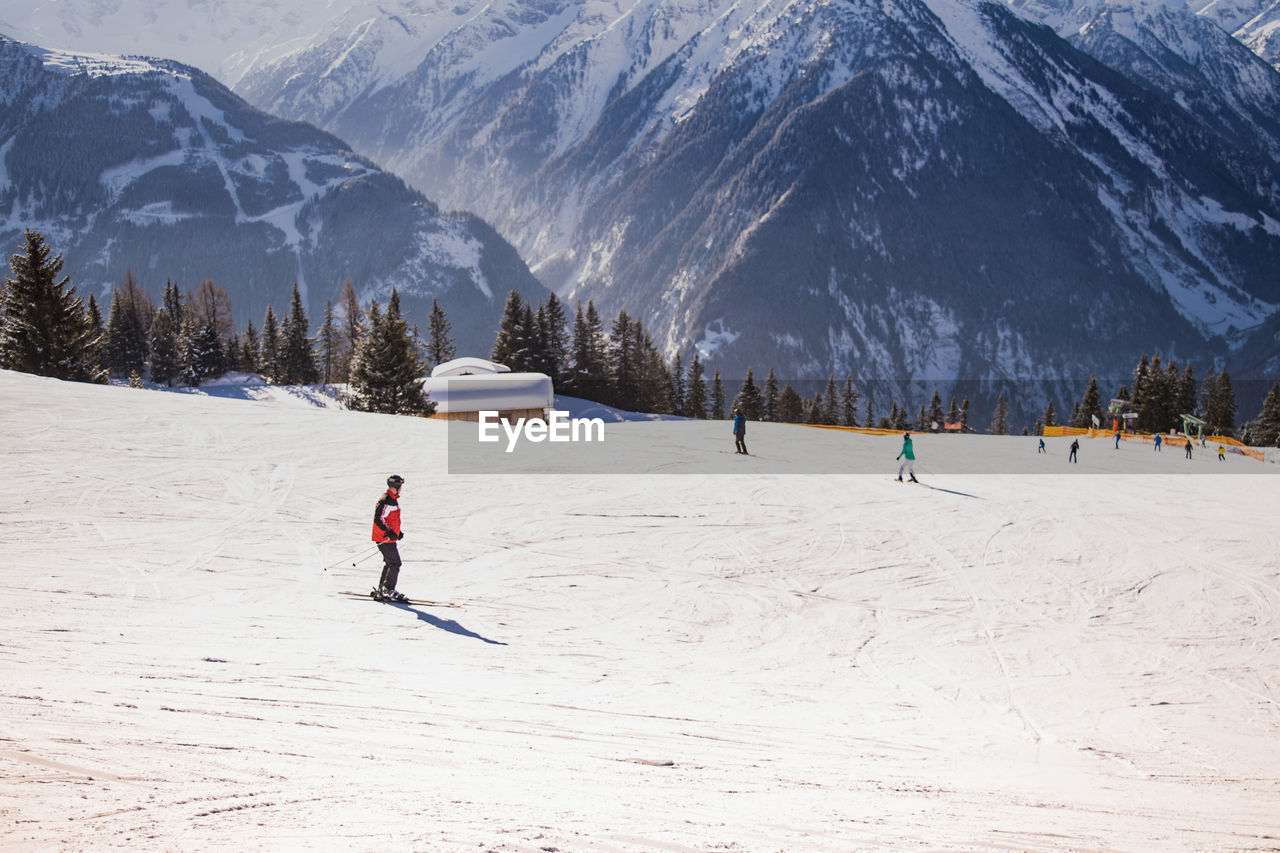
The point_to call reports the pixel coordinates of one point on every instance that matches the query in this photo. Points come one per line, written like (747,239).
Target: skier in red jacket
(386,532)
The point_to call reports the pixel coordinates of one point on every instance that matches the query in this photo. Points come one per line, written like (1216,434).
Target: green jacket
(907,450)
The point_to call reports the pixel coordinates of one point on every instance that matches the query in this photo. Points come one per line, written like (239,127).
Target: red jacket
(386,519)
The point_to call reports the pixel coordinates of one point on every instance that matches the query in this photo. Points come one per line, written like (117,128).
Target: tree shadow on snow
(447,625)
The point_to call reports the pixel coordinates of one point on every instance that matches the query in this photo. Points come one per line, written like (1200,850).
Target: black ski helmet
(395,481)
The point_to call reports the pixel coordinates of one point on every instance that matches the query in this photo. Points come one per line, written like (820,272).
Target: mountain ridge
(162,170)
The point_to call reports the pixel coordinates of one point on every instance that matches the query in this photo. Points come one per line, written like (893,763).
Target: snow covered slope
(638,663)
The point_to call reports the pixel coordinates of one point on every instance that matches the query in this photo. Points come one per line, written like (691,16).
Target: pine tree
(1049,418)
(297,361)
(790,406)
(202,355)
(695,400)
(1000,424)
(936,417)
(964,415)
(1221,412)
(1187,393)
(387,376)
(849,403)
(1090,406)
(899,416)
(1141,385)
(623,366)
(653,376)
(250,346)
(1266,429)
(440,346)
(748,400)
(1171,386)
(232,353)
(269,356)
(165,339)
(512,344)
(678,385)
(556,336)
(953,412)
(588,362)
(717,397)
(815,411)
(46,328)
(871,410)
(330,341)
(831,402)
(535,345)
(769,410)
(99,329)
(353,328)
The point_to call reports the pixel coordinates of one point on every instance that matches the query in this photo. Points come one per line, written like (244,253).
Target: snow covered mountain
(156,167)
(1255,23)
(900,188)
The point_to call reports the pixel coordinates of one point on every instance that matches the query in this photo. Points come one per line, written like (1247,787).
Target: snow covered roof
(481,392)
(468,366)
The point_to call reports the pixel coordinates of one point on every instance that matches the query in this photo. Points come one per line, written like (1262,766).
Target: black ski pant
(390,565)
(740,442)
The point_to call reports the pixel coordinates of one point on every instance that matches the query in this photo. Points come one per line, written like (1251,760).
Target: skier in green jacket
(908,457)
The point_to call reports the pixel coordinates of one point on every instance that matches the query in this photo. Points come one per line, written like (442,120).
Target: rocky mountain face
(899,188)
(155,167)
(896,188)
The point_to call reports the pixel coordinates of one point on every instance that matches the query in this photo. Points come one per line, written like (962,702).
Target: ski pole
(367,553)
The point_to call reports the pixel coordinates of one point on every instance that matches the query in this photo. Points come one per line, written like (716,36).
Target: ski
(420,602)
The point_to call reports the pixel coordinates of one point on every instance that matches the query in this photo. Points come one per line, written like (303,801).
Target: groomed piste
(753,661)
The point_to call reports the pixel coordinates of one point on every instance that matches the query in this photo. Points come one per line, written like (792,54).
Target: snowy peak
(640,155)
(153,166)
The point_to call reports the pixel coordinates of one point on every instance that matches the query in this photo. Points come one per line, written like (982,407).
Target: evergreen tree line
(190,338)
(1160,394)
(624,368)
(46,329)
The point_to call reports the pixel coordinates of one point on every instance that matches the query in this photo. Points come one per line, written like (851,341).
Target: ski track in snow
(640,663)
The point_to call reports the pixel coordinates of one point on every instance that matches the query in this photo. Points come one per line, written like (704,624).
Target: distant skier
(1188,448)
(1222,453)
(1042,450)
(1075,448)
(1117,439)
(908,455)
(1158,441)
(740,432)
(386,532)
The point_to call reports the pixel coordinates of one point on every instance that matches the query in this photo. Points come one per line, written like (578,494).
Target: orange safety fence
(1177,439)
(1232,445)
(861,430)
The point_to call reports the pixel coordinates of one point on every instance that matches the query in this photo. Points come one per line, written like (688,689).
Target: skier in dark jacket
(1075,448)
(386,532)
(739,431)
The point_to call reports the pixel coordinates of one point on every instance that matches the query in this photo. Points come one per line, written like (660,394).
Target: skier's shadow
(447,625)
